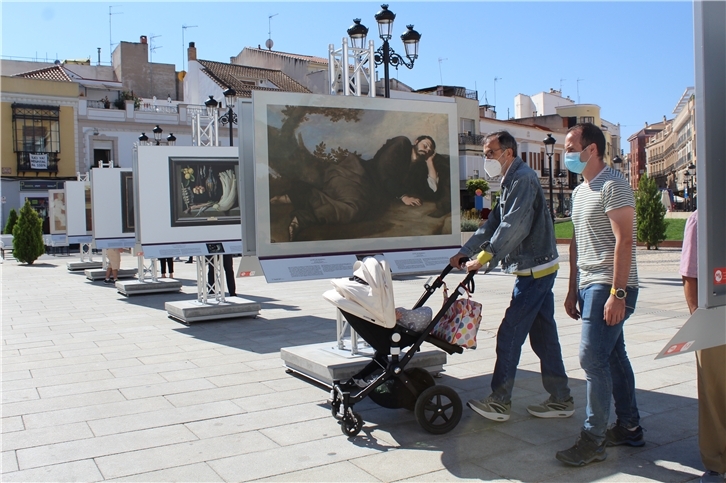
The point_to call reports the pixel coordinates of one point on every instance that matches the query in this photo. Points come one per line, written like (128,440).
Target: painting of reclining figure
(345,173)
(204,191)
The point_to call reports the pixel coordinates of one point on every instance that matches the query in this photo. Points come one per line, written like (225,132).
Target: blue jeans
(605,362)
(531,312)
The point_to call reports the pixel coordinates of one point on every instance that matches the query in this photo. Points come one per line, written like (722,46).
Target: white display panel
(317,161)
(106,193)
(79,223)
(187,224)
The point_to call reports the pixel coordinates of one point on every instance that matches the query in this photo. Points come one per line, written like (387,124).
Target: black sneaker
(586,450)
(108,280)
(617,435)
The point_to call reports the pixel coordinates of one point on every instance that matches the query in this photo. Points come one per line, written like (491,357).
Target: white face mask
(492,167)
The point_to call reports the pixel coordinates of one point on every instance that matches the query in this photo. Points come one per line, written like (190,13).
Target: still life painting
(204,191)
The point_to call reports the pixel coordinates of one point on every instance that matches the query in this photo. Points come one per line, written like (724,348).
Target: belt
(538,272)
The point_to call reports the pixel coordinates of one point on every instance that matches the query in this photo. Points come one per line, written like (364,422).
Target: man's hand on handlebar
(458,261)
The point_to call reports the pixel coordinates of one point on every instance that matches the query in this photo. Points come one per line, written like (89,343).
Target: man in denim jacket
(519,233)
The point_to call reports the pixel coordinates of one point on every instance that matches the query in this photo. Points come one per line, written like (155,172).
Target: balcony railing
(470,138)
(24,164)
(163,108)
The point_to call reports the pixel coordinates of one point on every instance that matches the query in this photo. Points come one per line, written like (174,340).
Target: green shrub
(10,224)
(474,184)
(28,236)
(470,220)
(650,213)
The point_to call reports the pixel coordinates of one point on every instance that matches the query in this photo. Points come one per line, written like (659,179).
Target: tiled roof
(53,73)
(231,75)
(309,58)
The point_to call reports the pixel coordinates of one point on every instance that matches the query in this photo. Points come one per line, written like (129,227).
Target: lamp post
(171,139)
(143,139)
(229,117)
(385,54)
(549,143)
(561,184)
(157,134)
(211,105)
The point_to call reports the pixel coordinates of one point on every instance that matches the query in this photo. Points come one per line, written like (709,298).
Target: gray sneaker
(490,408)
(712,477)
(553,409)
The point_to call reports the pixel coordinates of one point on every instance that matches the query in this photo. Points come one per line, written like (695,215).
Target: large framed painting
(203,191)
(57,211)
(127,202)
(351,175)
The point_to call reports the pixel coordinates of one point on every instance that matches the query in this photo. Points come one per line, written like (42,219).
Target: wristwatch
(619,293)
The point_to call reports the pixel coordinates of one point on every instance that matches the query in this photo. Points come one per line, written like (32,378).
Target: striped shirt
(593,233)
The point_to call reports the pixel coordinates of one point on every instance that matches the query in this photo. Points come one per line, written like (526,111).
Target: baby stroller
(366,302)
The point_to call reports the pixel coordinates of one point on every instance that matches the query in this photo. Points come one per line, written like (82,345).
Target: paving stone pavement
(96,386)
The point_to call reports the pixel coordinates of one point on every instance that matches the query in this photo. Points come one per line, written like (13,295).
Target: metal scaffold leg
(205,290)
(86,252)
(147,273)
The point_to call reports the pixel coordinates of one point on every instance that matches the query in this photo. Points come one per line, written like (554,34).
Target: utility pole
(184,47)
(495,94)
(441,77)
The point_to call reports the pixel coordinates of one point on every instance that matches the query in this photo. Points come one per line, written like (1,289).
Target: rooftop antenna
(152,47)
(110,38)
(578,89)
(269,43)
(441,77)
(99,55)
(184,47)
(561,85)
(495,91)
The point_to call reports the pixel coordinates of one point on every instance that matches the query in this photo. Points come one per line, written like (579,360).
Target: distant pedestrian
(228,264)
(710,364)
(113,255)
(167,263)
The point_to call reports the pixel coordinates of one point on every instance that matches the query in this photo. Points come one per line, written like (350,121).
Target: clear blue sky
(633,59)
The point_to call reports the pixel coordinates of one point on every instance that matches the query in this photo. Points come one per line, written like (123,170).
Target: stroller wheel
(438,409)
(351,424)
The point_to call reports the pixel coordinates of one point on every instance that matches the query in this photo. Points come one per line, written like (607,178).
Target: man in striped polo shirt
(604,284)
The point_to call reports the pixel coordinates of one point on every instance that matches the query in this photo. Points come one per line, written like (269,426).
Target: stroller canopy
(373,302)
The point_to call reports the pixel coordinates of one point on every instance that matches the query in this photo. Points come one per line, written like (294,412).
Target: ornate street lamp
(211,104)
(143,139)
(357,33)
(385,54)
(171,139)
(549,143)
(157,134)
(229,117)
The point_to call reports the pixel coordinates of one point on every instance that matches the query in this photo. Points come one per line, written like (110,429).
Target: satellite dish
(269,43)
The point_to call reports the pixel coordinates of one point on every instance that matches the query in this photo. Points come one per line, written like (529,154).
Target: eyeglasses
(489,154)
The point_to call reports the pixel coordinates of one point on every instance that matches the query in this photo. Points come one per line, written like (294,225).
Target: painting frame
(203,186)
(128,223)
(57,211)
(376,121)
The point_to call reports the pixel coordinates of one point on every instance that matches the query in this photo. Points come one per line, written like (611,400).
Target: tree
(28,236)
(650,213)
(12,220)
(474,184)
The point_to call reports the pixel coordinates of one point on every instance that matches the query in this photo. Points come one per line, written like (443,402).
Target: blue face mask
(574,164)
